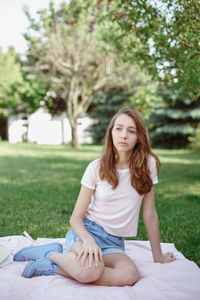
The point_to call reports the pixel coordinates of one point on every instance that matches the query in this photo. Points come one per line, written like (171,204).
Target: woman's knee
(90,274)
(126,275)
(131,277)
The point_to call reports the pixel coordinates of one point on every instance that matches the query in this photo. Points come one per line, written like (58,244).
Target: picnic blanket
(177,280)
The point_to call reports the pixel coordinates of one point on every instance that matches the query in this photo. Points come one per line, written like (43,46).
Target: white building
(43,128)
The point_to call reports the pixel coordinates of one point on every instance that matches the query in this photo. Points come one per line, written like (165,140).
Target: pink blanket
(177,280)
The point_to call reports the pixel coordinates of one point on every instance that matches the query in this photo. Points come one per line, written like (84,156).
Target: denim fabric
(107,242)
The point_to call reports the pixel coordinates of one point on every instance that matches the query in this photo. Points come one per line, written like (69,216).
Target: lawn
(40,184)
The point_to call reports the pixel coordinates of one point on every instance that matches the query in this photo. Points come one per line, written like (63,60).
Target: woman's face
(124,133)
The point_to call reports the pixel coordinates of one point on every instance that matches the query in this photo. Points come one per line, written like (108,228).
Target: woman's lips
(122,143)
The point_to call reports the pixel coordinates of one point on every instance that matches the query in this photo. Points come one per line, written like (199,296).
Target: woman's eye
(118,128)
(131,131)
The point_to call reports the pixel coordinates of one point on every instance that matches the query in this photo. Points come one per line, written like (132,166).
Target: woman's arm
(151,222)
(89,246)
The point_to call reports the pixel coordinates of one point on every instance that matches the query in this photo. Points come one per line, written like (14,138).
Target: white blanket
(177,280)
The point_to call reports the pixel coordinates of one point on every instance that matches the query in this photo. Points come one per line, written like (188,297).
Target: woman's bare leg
(69,267)
(116,265)
(119,271)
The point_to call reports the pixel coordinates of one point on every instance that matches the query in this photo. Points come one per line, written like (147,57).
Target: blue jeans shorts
(107,242)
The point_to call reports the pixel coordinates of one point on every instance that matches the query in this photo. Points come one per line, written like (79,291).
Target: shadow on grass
(22,171)
(172,171)
(190,198)
(38,194)
(92,148)
(179,154)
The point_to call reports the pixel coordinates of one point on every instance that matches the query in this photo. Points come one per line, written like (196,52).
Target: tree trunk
(72,107)
(4,128)
(75,142)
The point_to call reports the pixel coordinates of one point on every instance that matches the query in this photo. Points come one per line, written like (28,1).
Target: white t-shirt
(117,211)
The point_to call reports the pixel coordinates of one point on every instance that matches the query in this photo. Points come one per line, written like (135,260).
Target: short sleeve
(153,169)
(90,176)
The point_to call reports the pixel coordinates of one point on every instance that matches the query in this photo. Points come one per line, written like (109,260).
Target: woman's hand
(92,250)
(167,257)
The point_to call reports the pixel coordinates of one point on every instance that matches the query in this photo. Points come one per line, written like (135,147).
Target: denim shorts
(107,242)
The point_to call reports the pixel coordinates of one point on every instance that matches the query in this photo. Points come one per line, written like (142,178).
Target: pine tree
(102,109)
(174,120)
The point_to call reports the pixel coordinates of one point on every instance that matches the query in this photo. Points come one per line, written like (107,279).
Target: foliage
(27,95)
(102,109)
(20,92)
(174,120)
(145,99)
(10,74)
(141,97)
(67,52)
(163,36)
(195,140)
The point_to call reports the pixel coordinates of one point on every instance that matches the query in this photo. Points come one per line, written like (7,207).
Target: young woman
(107,211)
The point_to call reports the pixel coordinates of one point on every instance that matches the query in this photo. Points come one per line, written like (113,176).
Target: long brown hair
(139,170)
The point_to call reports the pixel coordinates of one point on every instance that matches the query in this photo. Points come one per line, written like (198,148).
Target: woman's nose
(124,134)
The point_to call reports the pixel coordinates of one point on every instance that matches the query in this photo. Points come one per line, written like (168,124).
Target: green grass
(40,184)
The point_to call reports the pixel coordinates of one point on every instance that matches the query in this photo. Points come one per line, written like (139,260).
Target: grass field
(40,184)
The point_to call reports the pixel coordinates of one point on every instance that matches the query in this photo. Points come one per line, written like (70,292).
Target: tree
(141,96)
(71,58)
(102,109)
(167,39)
(163,37)
(10,74)
(19,91)
(167,43)
(195,140)
(174,120)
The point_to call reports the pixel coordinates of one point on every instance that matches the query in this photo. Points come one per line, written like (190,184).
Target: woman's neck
(123,161)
